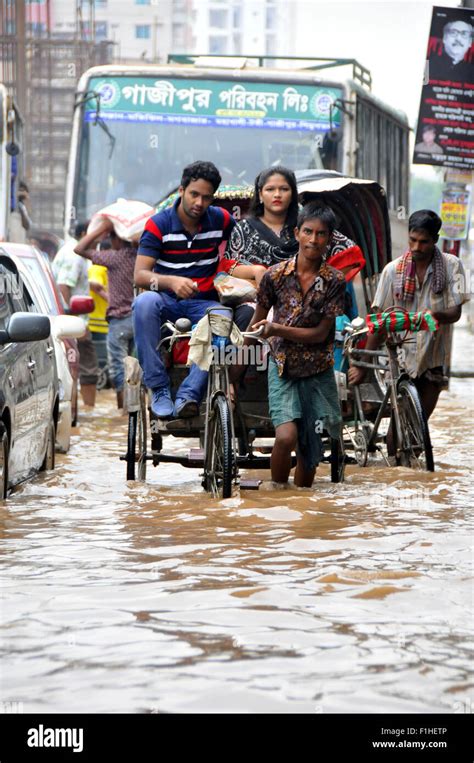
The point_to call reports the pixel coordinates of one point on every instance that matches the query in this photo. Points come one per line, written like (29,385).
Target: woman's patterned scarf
(405,276)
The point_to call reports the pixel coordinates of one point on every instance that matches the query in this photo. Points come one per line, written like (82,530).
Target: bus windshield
(153,129)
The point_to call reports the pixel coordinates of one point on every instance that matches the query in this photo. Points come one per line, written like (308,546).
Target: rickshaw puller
(306,295)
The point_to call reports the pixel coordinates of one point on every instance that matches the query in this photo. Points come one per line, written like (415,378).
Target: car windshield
(146,160)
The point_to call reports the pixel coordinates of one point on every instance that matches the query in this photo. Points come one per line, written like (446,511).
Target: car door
(41,362)
(18,391)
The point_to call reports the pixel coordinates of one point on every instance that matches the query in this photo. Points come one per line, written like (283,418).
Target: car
(29,385)
(65,329)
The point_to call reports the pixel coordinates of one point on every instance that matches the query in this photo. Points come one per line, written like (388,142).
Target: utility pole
(20,55)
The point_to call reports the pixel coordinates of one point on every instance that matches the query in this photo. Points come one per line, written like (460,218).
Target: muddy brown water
(128,597)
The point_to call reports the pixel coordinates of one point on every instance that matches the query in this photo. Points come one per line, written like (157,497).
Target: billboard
(445,133)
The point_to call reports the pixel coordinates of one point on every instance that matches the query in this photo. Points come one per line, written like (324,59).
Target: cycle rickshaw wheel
(415,450)
(218,469)
(337,459)
(136,441)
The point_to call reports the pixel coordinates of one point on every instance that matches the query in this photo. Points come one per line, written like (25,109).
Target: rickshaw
(229,432)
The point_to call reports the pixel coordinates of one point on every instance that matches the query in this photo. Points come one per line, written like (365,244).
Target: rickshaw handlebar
(254,334)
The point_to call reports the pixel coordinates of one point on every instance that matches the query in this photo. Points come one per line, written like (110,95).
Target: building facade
(243,27)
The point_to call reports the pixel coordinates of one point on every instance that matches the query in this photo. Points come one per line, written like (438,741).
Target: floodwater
(128,597)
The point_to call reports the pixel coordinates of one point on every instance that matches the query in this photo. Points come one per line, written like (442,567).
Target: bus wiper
(87,97)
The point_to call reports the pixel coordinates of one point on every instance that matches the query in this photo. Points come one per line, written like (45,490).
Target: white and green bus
(136,127)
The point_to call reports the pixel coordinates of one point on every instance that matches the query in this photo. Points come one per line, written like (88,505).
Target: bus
(11,169)
(136,126)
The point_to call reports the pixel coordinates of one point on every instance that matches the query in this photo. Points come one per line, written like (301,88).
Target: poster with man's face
(445,133)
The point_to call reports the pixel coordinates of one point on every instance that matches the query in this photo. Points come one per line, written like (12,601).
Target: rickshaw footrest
(196,454)
(250,484)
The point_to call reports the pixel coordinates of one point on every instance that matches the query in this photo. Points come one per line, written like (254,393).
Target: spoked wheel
(360,447)
(103,378)
(337,459)
(4,449)
(136,441)
(49,457)
(218,463)
(415,449)
(131,444)
(141,436)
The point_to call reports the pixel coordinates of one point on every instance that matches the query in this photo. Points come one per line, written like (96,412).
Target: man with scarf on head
(423,279)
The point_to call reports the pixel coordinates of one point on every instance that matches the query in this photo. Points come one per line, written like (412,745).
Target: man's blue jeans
(119,345)
(150,310)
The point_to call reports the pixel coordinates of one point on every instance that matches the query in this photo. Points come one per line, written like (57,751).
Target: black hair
(23,187)
(426,128)
(315,211)
(425,219)
(80,228)
(201,171)
(256,207)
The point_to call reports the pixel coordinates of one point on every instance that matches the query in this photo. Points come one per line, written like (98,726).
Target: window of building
(143,31)
(271,17)
(142,2)
(237,44)
(100,30)
(179,34)
(272,45)
(218,19)
(237,18)
(217,45)
(36,27)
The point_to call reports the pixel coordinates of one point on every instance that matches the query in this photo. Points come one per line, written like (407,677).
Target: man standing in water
(426,279)
(306,295)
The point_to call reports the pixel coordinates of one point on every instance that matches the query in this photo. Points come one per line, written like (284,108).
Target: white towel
(200,344)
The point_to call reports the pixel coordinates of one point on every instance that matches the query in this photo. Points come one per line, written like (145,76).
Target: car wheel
(49,457)
(4,450)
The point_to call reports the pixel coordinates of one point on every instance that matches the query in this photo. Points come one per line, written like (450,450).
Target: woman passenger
(267,236)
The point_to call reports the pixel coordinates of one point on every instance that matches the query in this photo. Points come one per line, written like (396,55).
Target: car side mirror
(80,305)
(26,327)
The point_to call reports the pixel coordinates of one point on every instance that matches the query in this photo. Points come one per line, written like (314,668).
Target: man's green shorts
(311,402)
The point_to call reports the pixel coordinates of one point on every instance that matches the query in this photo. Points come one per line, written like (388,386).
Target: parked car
(65,329)
(29,387)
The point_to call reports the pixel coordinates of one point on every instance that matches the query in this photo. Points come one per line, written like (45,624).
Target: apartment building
(144,30)
(148,30)
(236,27)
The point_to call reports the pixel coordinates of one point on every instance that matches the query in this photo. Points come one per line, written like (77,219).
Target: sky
(388,38)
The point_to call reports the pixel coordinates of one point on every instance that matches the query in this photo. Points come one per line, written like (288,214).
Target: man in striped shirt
(177,262)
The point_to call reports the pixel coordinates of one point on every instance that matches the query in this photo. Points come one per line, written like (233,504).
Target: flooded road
(124,597)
